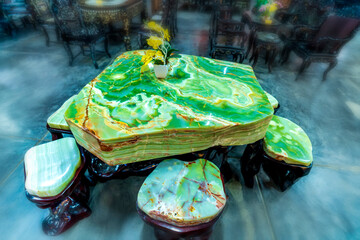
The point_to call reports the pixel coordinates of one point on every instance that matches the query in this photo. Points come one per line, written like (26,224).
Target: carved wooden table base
(102,172)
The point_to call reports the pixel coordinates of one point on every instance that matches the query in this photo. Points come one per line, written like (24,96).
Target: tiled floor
(36,80)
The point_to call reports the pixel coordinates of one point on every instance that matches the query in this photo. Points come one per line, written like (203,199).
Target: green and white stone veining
(183,193)
(287,142)
(273,101)
(123,116)
(50,167)
(57,120)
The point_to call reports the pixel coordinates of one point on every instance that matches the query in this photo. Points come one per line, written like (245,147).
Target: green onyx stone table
(123,116)
(286,141)
(50,167)
(273,101)
(183,193)
(57,120)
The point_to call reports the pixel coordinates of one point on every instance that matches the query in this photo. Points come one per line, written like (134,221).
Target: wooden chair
(167,18)
(228,38)
(285,154)
(7,26)
(182,199)
(41,12)
(75,32)
(323,44)
(54,179)
(13,15)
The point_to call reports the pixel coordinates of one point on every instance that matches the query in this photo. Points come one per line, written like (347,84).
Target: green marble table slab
(123,116)
(50,167)
(273,101)
(286,141)
(183,193)
(57,120)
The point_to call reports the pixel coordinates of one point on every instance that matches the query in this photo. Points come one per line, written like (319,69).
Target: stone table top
(123,116)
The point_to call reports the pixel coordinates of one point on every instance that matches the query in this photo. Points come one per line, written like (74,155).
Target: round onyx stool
(285,154)
(182,199)
(54,179)
(273,101)
(271,43)
(56,123)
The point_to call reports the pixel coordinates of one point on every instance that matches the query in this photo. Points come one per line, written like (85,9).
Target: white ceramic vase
(161,70)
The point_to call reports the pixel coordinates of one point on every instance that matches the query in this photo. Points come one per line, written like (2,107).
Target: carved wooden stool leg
(283,175)
(67,212)
(64,215)
(251,162)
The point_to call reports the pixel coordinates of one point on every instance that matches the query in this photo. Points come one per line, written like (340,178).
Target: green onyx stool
(285,154)
(54,179)
(182,199)
(56,123)
(273,101)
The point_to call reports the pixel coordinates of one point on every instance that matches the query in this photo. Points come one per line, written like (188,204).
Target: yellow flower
(273,7)
(159,56)
(155,27)
(154,42)
(166,35)
(268,21)
(146,59)
(149,54)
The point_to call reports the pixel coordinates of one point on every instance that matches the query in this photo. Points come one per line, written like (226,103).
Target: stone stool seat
(50,167)
(182,199)
(286,141)
(56,123)
(285,154)
(54,179)
(273,101)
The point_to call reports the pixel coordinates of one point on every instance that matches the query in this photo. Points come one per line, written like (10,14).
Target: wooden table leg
(127,40)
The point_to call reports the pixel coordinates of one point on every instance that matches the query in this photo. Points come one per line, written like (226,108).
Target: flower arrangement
(268,10)
(159,40)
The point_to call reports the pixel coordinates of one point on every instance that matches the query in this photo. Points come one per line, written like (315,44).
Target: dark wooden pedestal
(165,231)
(276,109)
(57,133)
(282,174)
(99,171)
(68,207)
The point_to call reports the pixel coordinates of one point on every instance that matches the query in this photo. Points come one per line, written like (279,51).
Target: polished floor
(35,80)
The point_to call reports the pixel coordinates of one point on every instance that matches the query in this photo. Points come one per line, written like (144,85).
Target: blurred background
(304,52)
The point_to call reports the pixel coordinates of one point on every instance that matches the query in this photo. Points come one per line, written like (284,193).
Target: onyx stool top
(57,120)
(286,141)
(50,167)
(182,193)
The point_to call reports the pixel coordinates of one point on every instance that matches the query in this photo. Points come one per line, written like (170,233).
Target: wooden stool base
(283,175)
(57,133)
(165,231)
(69,206)
(64,215)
